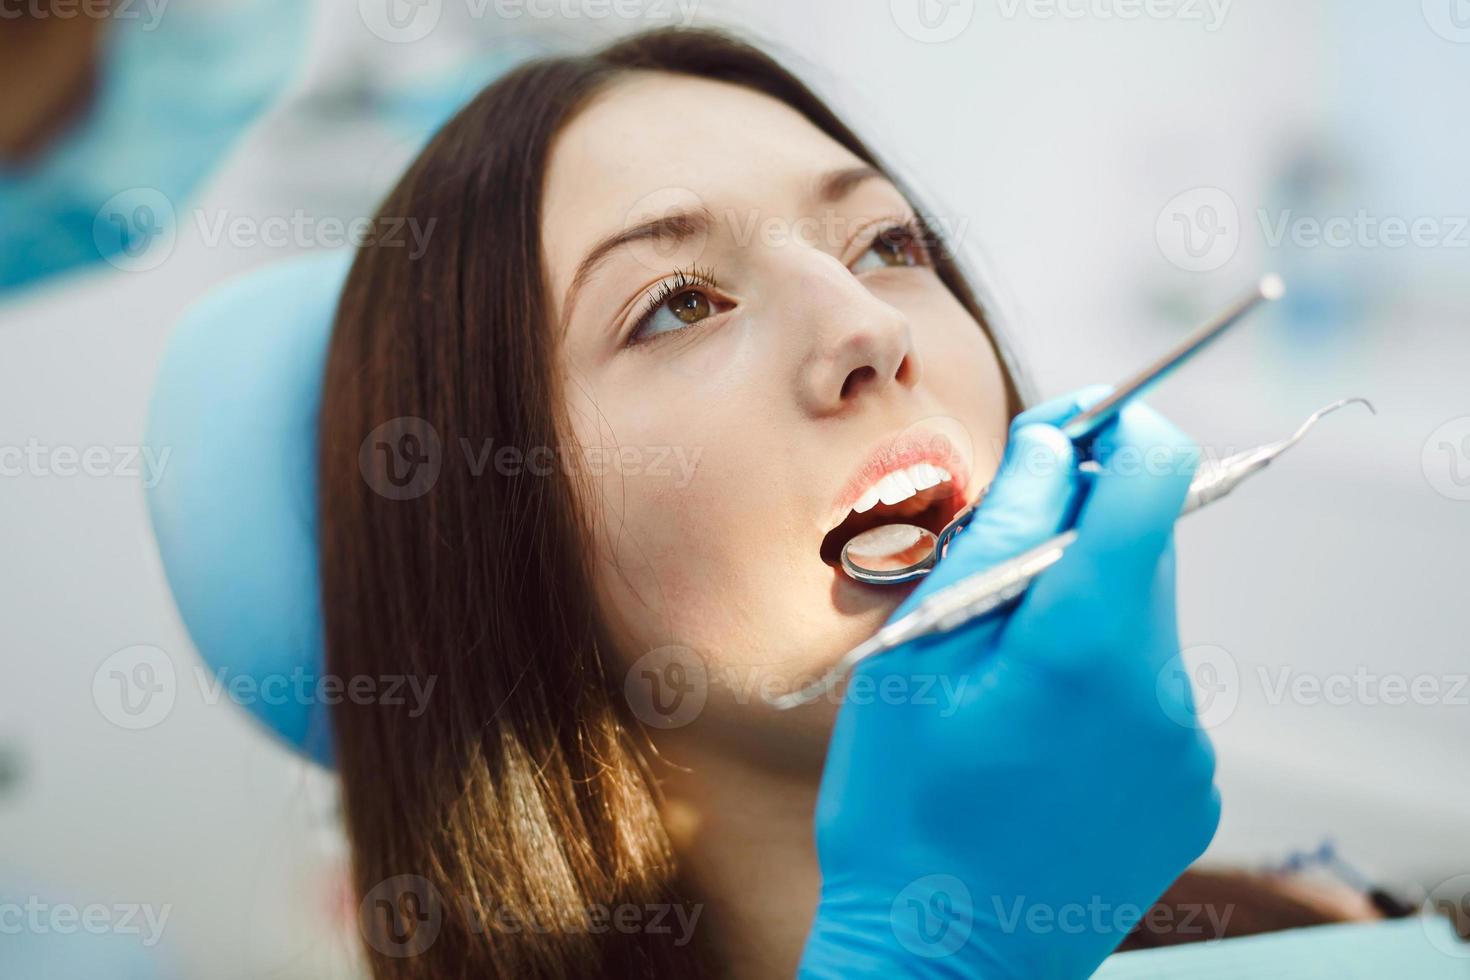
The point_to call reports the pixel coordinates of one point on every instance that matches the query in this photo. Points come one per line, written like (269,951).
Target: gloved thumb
(1032,498)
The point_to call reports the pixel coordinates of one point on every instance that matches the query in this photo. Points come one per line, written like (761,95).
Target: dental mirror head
(892,554)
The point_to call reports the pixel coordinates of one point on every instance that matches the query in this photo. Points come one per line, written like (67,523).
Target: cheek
(663,504)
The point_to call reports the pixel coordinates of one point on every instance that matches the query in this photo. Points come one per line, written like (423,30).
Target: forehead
(654,141)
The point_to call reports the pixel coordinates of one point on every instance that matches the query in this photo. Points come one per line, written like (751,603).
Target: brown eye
(683,308)
(897,247)
(690,306)
(893,247)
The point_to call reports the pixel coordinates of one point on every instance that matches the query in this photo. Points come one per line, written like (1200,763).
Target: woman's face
(753,339)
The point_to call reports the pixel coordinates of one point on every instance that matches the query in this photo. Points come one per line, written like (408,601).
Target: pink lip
(910,447)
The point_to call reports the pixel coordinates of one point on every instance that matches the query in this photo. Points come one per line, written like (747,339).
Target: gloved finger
(1061,409)
(1127,517)
(1031,498)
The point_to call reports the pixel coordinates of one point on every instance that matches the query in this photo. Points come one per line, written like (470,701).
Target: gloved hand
(1022,829)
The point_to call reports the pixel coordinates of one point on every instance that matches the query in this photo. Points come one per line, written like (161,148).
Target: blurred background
(1117,171)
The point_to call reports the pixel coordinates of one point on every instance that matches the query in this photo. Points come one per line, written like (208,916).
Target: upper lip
(913,445)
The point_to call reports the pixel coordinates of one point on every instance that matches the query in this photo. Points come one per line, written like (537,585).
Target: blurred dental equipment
(162,97)
(997,587)
(897,553)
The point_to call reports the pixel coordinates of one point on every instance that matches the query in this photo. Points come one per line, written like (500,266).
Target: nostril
(856,379)
(907,373)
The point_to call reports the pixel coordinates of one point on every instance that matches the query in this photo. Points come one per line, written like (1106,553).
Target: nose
(857,347)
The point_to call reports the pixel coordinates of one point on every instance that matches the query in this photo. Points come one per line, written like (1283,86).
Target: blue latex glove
(1023,832)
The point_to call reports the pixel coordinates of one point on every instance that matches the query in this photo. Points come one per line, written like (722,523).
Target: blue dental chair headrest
(235,405)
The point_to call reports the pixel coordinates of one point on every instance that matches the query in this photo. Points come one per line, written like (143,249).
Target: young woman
(669,306)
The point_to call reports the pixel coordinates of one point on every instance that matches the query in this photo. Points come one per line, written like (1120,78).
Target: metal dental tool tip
(997,587)
(1270,288)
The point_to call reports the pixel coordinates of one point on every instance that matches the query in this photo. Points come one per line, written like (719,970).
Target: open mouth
(922,495)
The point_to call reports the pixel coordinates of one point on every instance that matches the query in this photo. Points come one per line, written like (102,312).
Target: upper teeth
(900,485)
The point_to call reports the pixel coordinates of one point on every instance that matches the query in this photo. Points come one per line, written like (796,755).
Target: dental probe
(1269,289)
(860,549)
(987,591)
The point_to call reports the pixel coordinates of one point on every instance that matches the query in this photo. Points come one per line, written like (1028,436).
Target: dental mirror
(893,554)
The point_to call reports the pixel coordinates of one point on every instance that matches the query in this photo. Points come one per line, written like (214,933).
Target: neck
(743,836)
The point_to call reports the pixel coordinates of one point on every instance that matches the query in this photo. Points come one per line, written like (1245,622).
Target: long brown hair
(523,794)
(495,832)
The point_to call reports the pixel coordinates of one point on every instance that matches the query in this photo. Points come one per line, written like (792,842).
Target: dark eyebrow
(679,226)
(834,186)
(675,227)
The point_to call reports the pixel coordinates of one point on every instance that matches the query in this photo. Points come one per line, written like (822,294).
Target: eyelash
(684,279)
(681,281)
(917,234)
